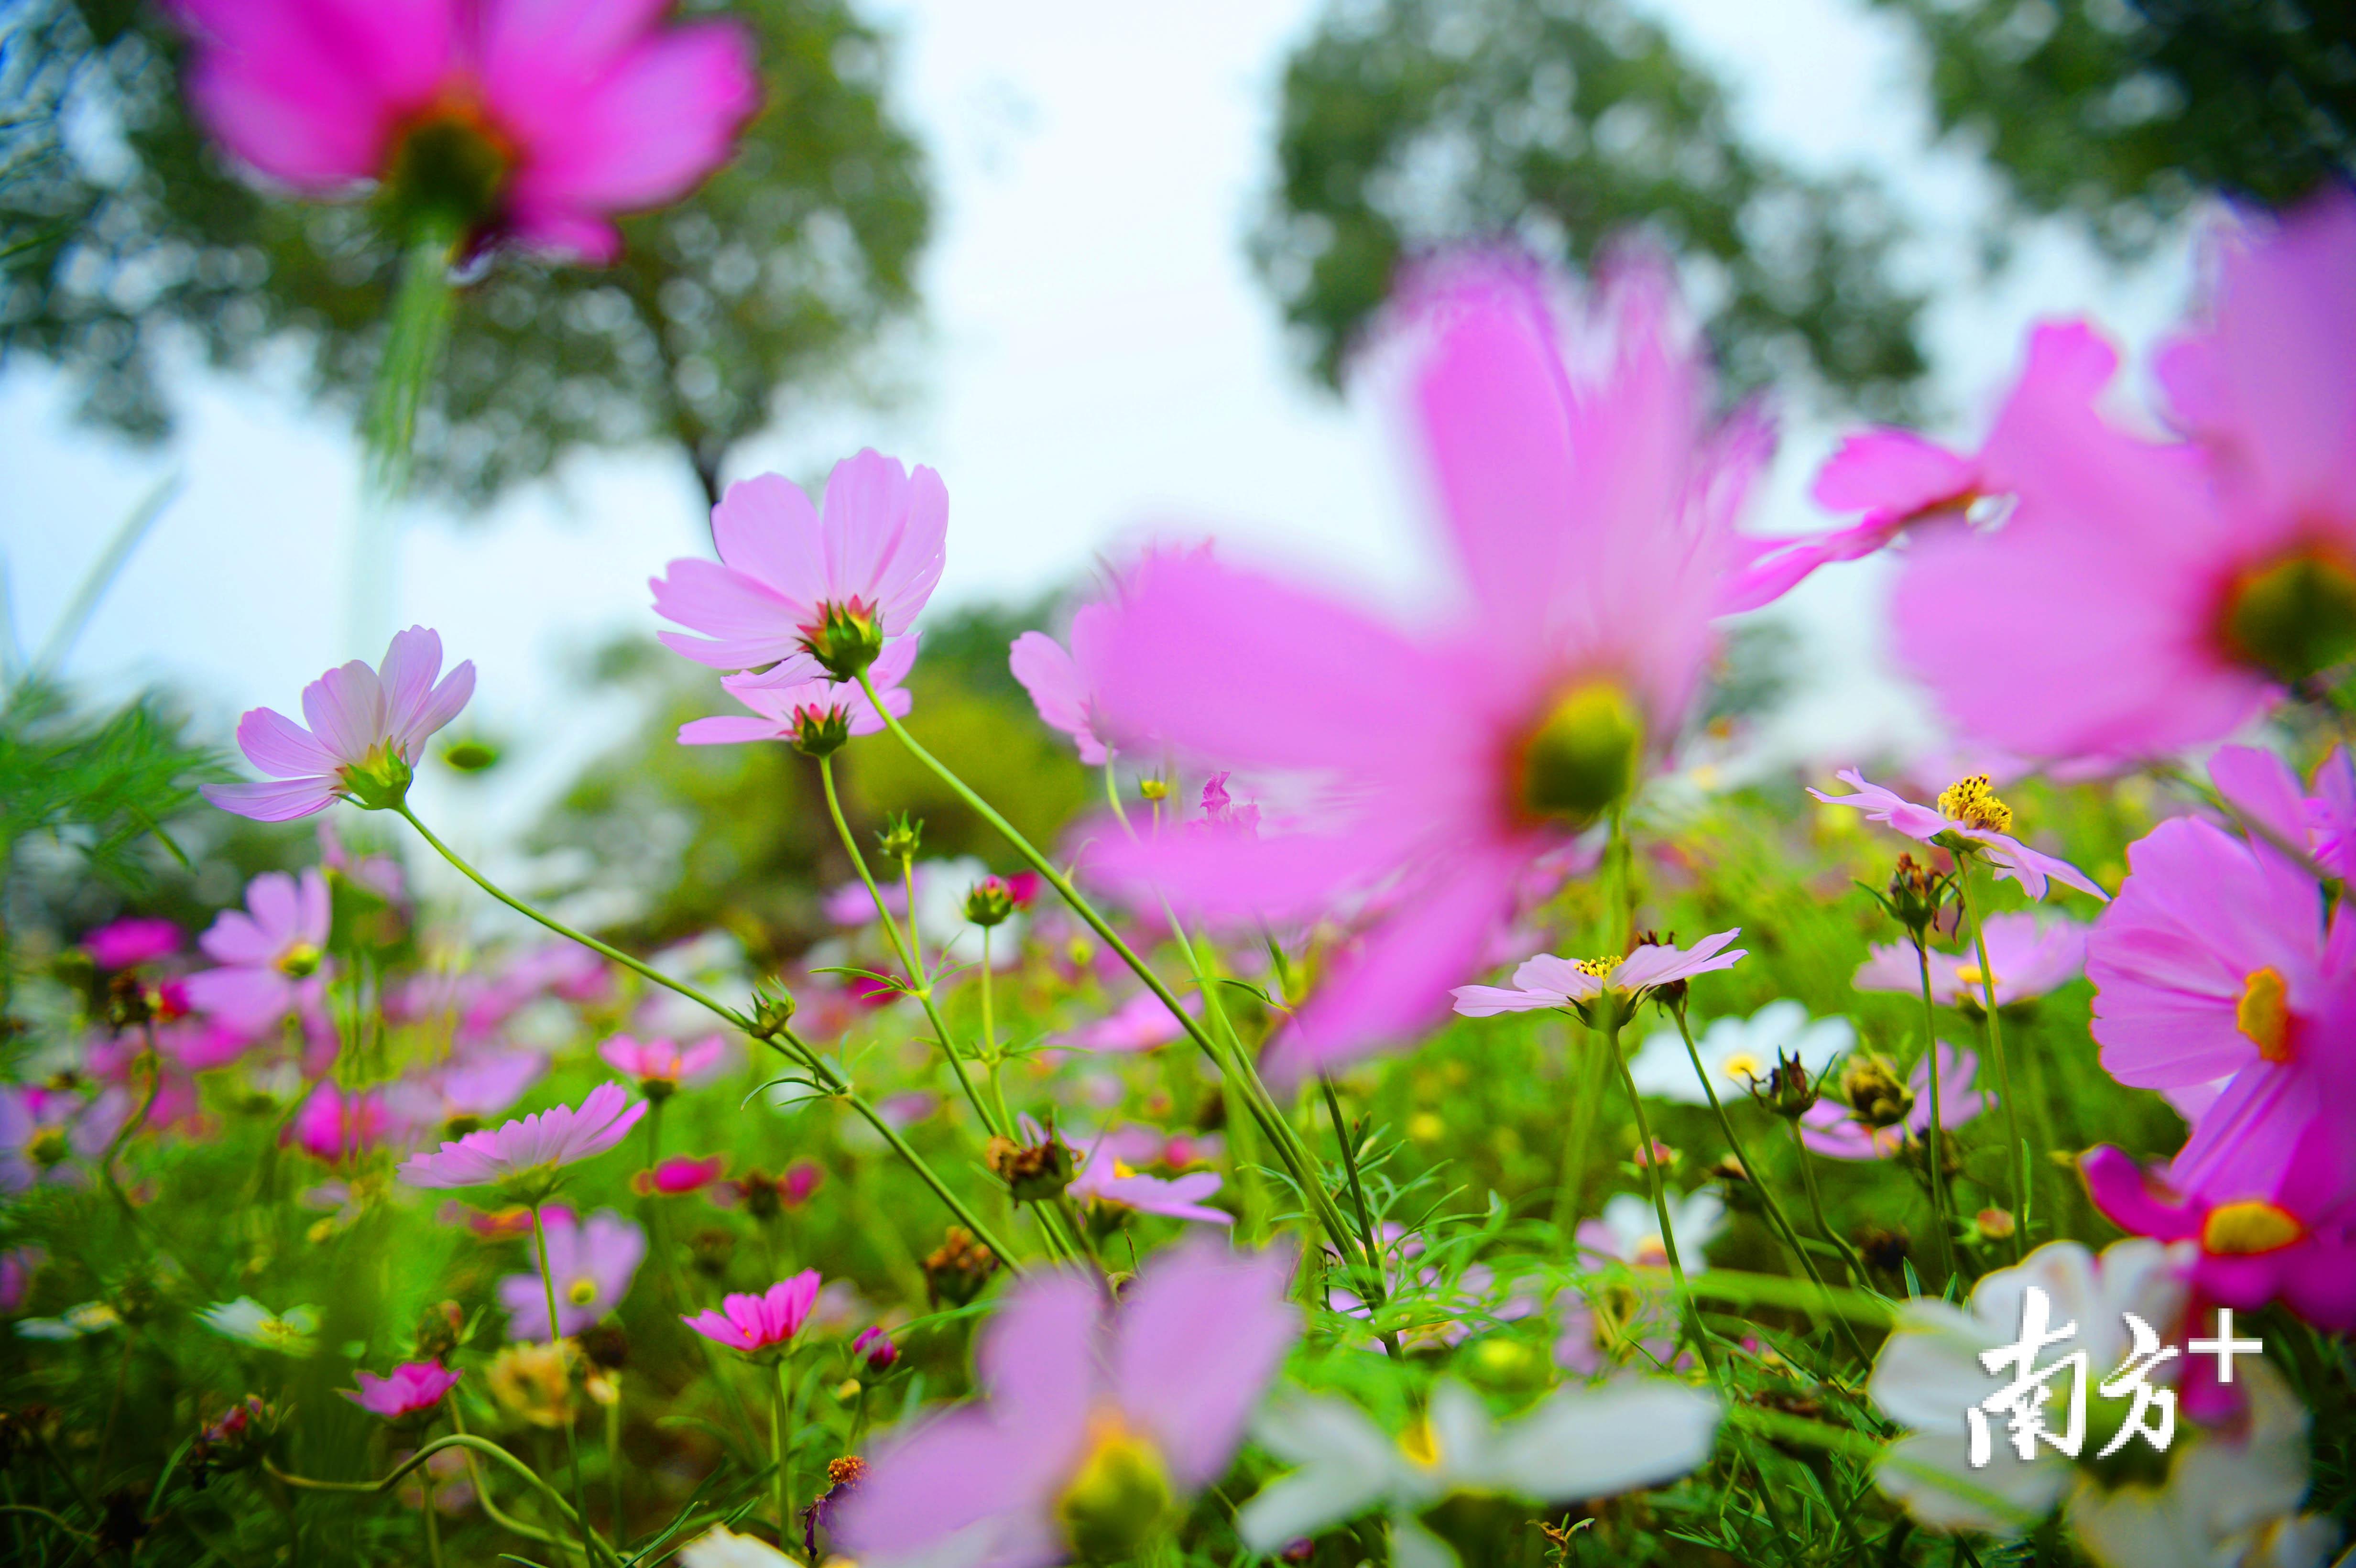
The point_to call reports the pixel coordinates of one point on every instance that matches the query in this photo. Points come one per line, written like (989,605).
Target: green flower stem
(598,1550)
(1943,1203)
(1686,1305)
(1790,1237)
(422,304)
(781,1426)
(1849,1258)
(992,1061)
(1371,1289)
(2016,1147)
(1580,1134)
(556,1339)
(615,1521)
(1280,1133)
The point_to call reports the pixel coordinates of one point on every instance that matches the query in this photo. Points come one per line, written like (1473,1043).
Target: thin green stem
(781,1422)
(615,1521)
(1649,1156)
(991,1062)
(2016,1148)
(1587,1090)
(916,935)
(489,1449)
(1943,1206)
(555,1340)
(1372,1276)
(1855,1265)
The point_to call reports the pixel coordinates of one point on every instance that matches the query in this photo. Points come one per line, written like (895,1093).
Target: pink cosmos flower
(2228,562)
(414,1386)
(543,118)
(41,1130)
(532,1150)
(1105,1179)
(269,952)
(803,708)
(872,553)
(2256,1247)
(1141,1023)
(2262,788)
(660,1062)
(1165,1380)
(757,1323)
(591,1265)
(336,1125)
(1829,1129)
(2215,964)
(2030,956)
(677,1176)
(1590,506)
(367,728)
(875,1347)
(1063,686)
(1549,982)
(1965,810)
(128,943)
(17,1266)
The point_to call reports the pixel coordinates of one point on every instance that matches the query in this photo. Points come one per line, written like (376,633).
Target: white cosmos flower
(720,1547)
(1577,1443)
(249,1322)
(1630,1230)
(1739,1052)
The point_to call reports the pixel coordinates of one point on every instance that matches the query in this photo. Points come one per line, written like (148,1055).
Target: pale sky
(1095,357)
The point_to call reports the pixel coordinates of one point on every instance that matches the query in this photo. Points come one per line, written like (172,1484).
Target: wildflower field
(1412,1111)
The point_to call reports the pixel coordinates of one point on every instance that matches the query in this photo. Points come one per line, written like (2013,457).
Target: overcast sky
(1095,357)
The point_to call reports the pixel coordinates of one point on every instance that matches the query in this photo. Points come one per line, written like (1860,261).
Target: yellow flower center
(47,1148)
(1972,803)
(582,1291)
(2263,1015)
(1119,1495)
(1420,1444)
(2292,617)
(1599,968)
(1582,757)
(1651,1253)
(2252,1226)
(1970,975)
(1122,1168)
(299,961)
(1742,1067)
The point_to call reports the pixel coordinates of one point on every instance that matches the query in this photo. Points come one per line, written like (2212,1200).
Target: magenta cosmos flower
(2030,956)
(662,1066)
(1590,507)
(759,1324)
(367,728)
(2227,562)
(413,1387)
(527,1154)
(1968,811)
(817,714)
(128,943)
(591,1262)
(269,952)
(334,1124)
(794,580)
(533,121)
(1063,685)
(1831,1131)
(1092,1416)
(1548,982)
(2254,1249)
(679,1176)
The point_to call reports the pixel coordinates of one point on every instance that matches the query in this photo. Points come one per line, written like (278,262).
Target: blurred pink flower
(592,1263)
(874,1347)
(368,727)
(1138,1024)
(1549,982)
(1590,505)
(2008,857)
(543,118)
(135,940)
(336,1125)
(379,874)
(1105,1179)
(43,1130)
(797,711)
(270,953)
(1165,1382)
(414,1386)
(662,1063)
(1063,686)
(16,1268)
(873,552)
(2030,956)
(1829,1129)
(677,1176)
(529,1152)
(757,1323)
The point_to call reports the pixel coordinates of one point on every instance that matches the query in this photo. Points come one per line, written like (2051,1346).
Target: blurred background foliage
(123,230)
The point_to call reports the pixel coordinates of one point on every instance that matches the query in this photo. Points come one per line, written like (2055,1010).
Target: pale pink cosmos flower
(561,113)
(270,953)
(42,1131)
(591,1262)
(368,727)
(532,1149)
(1589,503)
(1141,1023)
(2029,955)
(1164,1380)
(1974,808)
(1829,1129)
(1102,1178)
(874,552)
(1063,685)
(414,1386)
(1548,982)
(135,940)
(2227,563)
(801,709)
(664,1063)
(759,1324)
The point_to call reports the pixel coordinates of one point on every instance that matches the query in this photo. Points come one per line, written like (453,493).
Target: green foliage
(119,225)
(102,788)
(1410,124)
(2123,111)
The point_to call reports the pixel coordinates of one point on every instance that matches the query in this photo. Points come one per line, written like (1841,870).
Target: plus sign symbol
(2224,1346)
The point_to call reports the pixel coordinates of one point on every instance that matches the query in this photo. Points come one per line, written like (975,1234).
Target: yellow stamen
(1742,1067)
(1972,803)
(1651,1254)
(580,1291)
(1969,975)
(1420,1444)
(1122,1168)
(2263,1015)
(1601,968)
(2252,1226)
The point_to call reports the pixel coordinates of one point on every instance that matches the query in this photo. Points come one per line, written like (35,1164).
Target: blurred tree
(1409,123)
(119,224)
(2122,110)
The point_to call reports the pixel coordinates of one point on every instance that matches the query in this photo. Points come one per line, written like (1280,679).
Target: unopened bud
(1994,1225)
(1874,1093)
(957,1269)
(901,837)
(991,903)
(1791,1091)
(875,1347)
(820,731)
(773,1007)
(1035,1173)
(438,1330)
(846,639)
(1154,789)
